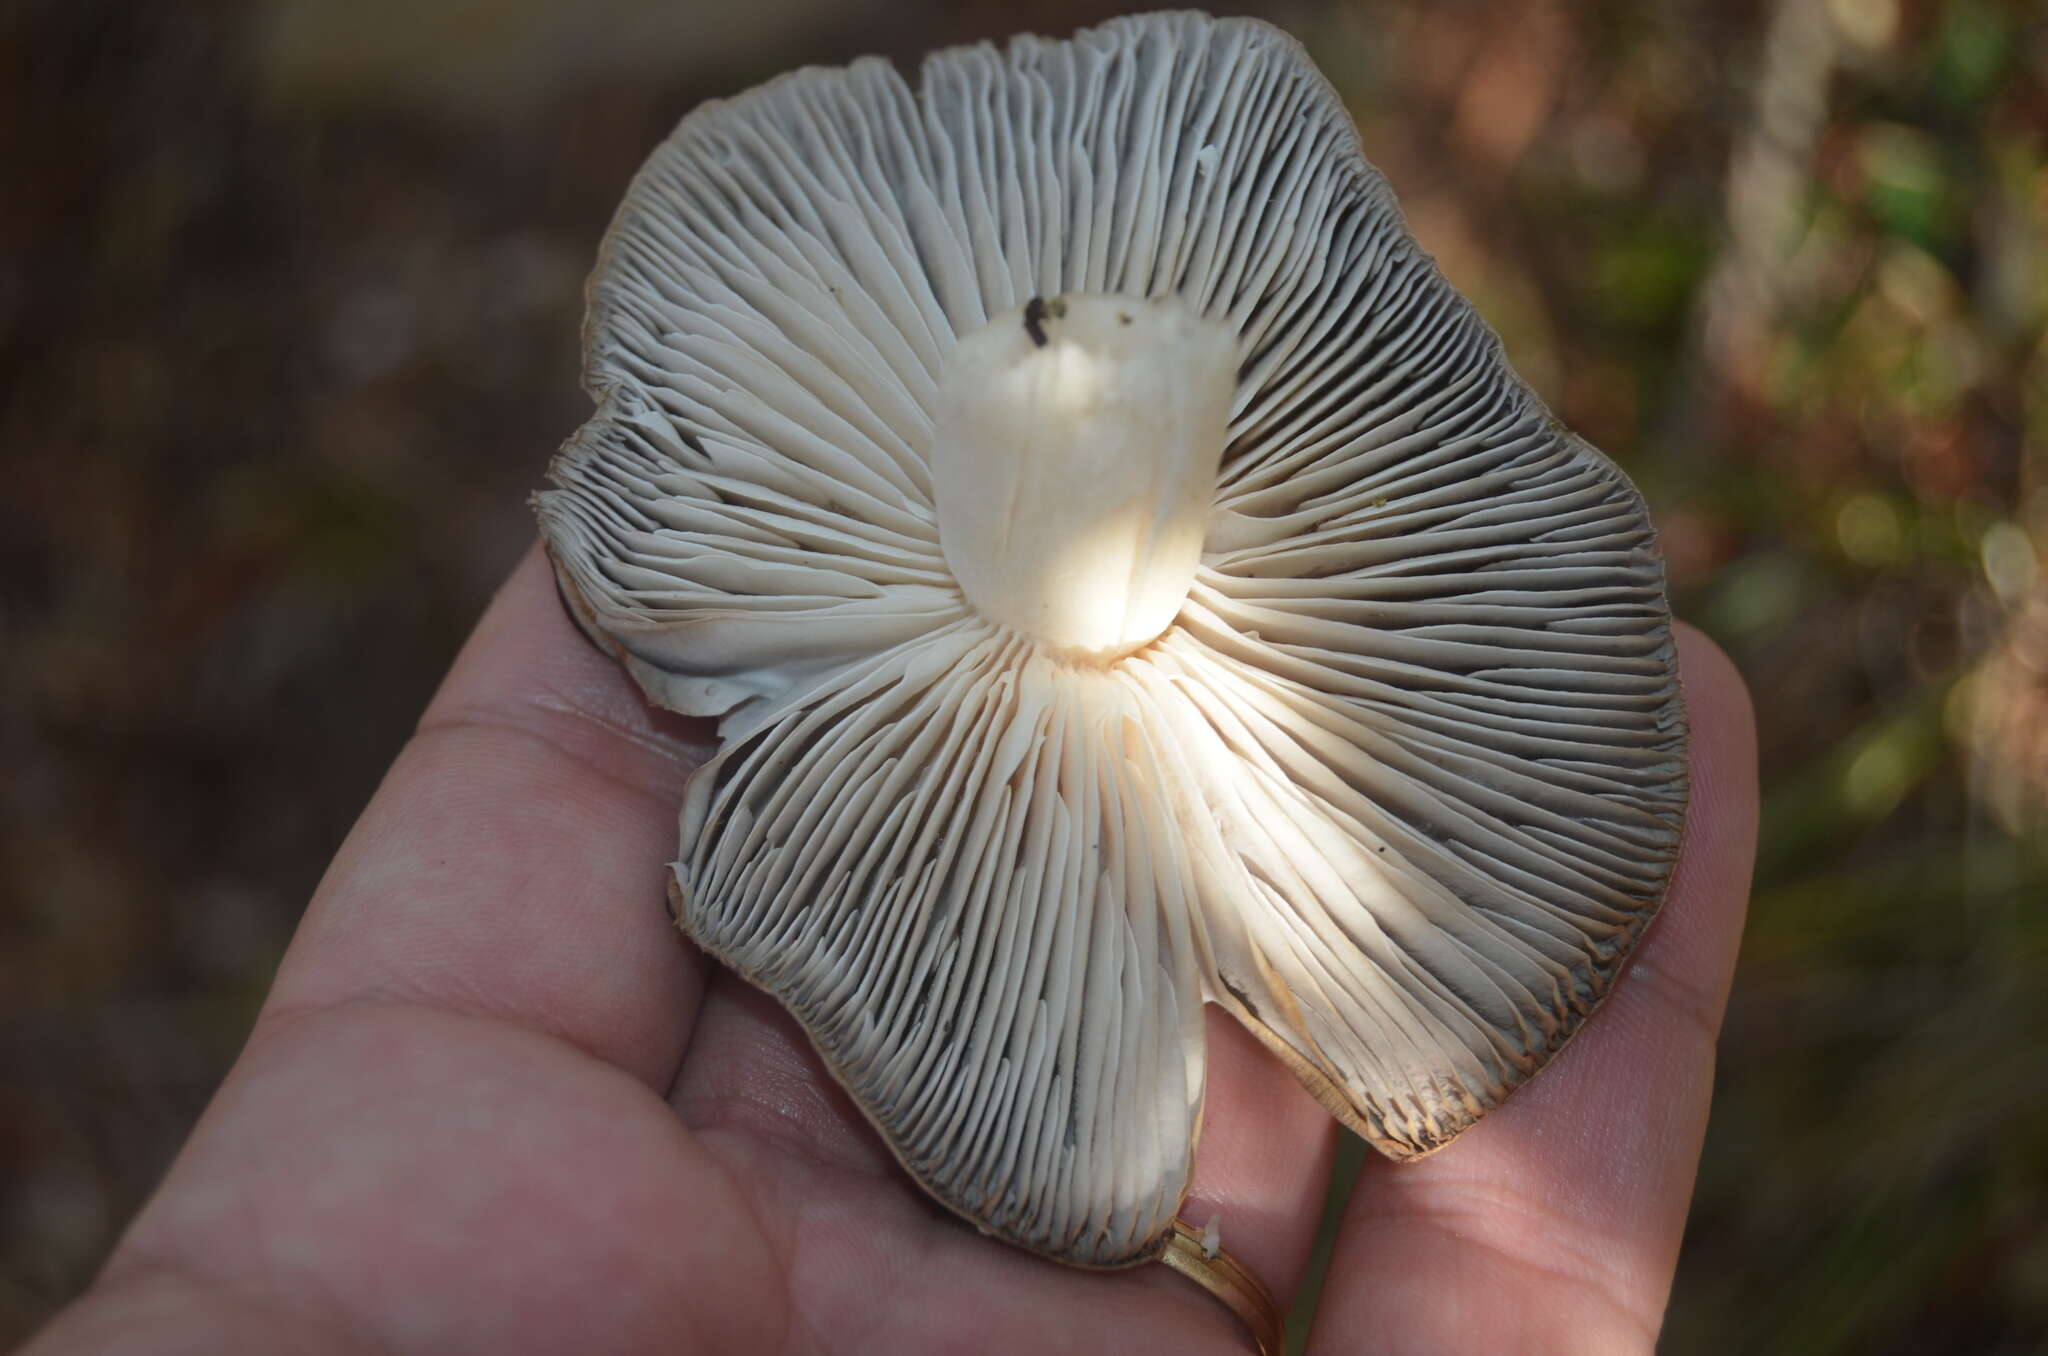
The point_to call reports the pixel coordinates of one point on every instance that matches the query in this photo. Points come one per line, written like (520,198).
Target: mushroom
(1127,577)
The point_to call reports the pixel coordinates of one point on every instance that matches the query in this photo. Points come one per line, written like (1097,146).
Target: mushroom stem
(1074,462)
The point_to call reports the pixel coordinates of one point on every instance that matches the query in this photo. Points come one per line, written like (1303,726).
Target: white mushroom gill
(1074,466)
(1016,775)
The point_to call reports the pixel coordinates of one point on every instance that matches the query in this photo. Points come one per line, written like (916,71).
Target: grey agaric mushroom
(1127,577)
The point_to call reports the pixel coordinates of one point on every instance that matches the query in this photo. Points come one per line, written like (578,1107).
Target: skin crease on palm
(494,1104)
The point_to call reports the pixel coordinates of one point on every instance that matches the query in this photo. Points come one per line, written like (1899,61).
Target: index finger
(1553,1225)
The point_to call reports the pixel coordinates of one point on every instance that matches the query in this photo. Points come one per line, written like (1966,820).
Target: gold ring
(1216,1271)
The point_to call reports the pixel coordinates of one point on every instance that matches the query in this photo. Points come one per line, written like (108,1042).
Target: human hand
(494,1104)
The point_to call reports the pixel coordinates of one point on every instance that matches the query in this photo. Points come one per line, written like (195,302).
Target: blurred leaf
(1906,185)
(1760,593)
(1643,277)
(1972,47)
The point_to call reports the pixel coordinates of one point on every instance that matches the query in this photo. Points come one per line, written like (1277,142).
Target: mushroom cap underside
(1400,784)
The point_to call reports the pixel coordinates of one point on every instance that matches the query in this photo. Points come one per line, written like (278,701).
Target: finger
(753,1087)
(1263,1166)
(511,864)
(1261,1171)
(863,1243)
(1553,1225)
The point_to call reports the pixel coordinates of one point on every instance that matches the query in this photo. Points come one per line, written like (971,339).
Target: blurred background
(289,296)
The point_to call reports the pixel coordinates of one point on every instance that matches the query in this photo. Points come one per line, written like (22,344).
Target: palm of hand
(494,1105)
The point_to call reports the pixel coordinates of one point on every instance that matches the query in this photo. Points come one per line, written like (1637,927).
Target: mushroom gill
(1275,649)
